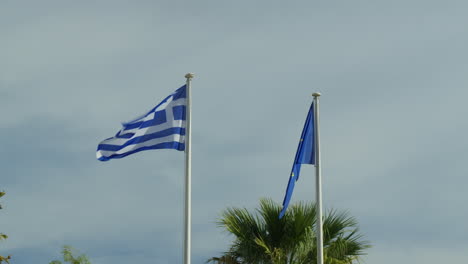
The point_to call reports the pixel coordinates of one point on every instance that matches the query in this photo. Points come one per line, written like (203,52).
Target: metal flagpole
(188,174)
(318,183)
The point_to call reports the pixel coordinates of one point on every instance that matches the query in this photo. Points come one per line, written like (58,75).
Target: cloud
(393,83)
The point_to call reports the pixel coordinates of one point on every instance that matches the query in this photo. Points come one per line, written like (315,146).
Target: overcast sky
(394,81)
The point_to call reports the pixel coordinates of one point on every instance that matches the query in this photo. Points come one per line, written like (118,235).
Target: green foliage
(5,259)
(3,237)
(226,259)
(69,257)
(262,238)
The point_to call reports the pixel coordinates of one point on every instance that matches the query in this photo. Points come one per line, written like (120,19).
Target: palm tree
(263,238)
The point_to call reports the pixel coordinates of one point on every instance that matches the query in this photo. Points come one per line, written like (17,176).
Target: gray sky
(393,75)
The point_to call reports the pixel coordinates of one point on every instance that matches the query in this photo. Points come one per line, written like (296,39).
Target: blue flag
(304,155)
(163,127)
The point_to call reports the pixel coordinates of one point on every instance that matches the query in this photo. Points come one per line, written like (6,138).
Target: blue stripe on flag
(159,118)
(179,112)
(165,145)
(126,135)
(180,93)
(143,138)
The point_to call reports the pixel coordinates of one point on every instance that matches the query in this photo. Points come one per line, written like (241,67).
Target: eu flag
(304,155)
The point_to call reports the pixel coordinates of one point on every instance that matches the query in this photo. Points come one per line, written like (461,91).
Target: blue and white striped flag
(161,128)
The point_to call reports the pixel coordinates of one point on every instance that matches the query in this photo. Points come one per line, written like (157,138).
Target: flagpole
(188,174)
(318,183)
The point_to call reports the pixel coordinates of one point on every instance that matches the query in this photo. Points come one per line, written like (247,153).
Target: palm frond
(262,238)
(226,259)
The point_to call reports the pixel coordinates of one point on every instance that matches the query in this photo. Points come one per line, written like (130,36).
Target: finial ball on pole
(316,94)
(189,75)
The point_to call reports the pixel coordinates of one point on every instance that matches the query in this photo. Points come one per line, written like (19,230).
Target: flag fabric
(304,155)
(163,127)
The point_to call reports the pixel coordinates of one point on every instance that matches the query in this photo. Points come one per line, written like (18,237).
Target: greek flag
(163,127)
(305,155)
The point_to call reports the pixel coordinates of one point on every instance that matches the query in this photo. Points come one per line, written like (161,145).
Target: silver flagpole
(188,174)
(318,183)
